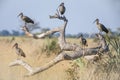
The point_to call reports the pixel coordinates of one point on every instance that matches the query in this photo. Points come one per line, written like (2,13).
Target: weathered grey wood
(22,63)
(76,50)
(32,70)
(60,57)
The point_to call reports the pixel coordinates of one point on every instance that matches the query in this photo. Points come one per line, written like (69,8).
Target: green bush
(73,72)
(51,46)
(114,41)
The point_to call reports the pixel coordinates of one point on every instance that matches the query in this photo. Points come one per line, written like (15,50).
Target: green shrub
(51,46)
(114,41)
(73,72)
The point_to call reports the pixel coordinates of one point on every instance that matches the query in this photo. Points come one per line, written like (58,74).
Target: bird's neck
(16,47)
(21,15)
(97,22)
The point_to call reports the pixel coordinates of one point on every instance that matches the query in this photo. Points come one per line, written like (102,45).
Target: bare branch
(32,70)
(60,57)
(42,35)
(57,16)
(76,51)
(21,62)
(61,30)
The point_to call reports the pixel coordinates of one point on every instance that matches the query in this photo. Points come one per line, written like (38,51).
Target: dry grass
(36,57)
(102,70)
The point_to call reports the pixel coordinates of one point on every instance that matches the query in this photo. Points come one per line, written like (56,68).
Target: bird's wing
(84,40)
(21,52)
(104,28)
(28,19)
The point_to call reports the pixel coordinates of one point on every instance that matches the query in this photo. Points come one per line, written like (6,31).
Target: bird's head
(15,45)
(80,36)
(62,4)
(21,14)
(96,20)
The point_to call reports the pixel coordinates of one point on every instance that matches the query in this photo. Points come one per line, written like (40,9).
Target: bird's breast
(18,51)
(99,26)
(23,18)
(62,9)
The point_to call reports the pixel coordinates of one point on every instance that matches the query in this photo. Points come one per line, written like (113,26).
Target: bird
(101,27)
(26,19)
(83,42)
(61,8)
(19,51)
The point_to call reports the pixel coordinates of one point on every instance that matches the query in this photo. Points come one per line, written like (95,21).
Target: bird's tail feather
(23,55)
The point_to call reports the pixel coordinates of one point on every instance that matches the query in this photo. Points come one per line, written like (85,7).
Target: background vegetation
(42,51)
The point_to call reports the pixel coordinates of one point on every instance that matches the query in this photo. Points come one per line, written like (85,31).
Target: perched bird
(26,19)
(19,51)
(83,42)
(61,8)
(100,26)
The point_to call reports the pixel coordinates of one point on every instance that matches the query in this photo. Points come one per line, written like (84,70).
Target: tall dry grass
(102,70)
(34,56)
(108,68)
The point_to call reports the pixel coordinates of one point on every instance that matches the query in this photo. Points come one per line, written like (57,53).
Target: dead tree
(76,51)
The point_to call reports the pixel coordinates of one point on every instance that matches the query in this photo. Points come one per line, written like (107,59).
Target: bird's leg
(100,32)
(63,16)
(83,51)
(25,24)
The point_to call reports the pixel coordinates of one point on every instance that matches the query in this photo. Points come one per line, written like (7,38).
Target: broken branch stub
(57,16)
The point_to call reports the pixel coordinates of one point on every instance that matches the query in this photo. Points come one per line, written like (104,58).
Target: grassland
(36,57)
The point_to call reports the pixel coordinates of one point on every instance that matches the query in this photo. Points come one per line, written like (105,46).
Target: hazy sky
(80,14)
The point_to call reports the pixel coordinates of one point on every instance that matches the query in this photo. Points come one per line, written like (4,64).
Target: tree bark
(36,70)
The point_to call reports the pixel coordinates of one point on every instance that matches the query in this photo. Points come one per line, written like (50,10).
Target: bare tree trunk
(76,51)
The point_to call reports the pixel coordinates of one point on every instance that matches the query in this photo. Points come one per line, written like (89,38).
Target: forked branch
(76,51)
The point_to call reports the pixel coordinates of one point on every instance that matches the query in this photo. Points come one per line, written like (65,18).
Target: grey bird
(19,51)
(26,19)
(83,42)
(100,26)
(62,8)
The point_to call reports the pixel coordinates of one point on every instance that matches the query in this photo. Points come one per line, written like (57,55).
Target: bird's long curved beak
(94,21)
(18,15)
